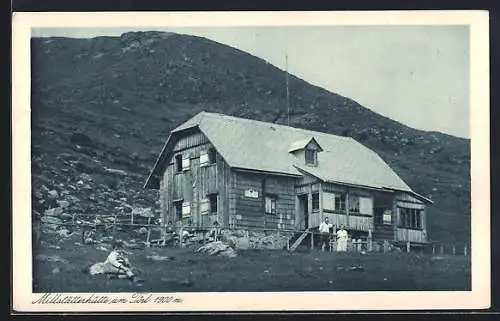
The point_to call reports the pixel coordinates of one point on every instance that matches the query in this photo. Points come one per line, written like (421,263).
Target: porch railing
(356,222)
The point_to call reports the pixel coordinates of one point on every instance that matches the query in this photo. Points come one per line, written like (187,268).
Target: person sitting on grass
(116,264)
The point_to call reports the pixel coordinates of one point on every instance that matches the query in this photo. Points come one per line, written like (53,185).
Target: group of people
(341,234)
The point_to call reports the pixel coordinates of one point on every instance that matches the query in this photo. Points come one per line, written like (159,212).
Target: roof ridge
(265,123)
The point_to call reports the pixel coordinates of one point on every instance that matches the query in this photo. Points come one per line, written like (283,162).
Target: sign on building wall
(386,218)
(251,193)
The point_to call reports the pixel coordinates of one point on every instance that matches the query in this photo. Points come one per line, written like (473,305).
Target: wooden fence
(158,234)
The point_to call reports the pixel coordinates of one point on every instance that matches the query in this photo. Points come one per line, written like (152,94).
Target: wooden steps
(298,241)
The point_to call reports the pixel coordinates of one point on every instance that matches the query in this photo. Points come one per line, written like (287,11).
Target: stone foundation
(244,240)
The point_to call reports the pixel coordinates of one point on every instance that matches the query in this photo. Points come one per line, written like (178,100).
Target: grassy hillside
(110,102)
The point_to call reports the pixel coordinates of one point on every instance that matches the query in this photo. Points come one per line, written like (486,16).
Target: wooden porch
(351,222)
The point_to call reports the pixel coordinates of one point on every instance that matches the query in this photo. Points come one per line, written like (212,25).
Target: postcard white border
(478,298)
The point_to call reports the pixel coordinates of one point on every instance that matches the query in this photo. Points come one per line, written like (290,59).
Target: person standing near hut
(324,229)
(342,237)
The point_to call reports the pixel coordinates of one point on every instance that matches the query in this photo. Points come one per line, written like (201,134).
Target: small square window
(208,157)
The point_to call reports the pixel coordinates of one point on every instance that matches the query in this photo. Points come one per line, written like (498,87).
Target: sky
(417,75)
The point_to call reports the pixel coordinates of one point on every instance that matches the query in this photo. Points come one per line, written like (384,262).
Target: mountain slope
(110,102)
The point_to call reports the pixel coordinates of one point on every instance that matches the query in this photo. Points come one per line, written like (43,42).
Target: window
(204,158)
(212,156)
(329,201)
(353,204)
(340,202)
(178,163)
(366,205)
(410,218)
(208,157)
(213,203)
(270,204)
(310,155)
(315,201)
(178,209)
(185,162)
(333,202)
(186,209)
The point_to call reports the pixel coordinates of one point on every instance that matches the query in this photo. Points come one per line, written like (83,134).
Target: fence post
(164,238)
(408,248)
(149,232)
(370,244)
(114,224)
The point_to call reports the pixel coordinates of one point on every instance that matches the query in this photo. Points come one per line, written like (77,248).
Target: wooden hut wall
(250,192)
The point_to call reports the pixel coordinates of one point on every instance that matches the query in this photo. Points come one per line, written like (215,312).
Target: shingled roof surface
(257,145)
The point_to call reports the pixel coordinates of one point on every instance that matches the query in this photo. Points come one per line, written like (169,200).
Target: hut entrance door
(303,211)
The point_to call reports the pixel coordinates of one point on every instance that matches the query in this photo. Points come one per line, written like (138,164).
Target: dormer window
(306,150)
(311,157)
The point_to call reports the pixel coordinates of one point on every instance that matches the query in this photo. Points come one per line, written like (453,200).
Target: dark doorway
(303,211)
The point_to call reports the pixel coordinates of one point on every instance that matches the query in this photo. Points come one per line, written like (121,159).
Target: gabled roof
(262,146)
(302,143)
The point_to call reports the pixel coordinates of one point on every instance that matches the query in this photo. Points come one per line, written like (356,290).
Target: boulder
(63,204)
(53,194)
(57,211)
(51,223)
(38,195)
(217,248)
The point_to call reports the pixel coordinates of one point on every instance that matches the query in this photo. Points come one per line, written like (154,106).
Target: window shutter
(328,201)
(186,209)
(204,160)
(205,206)
(366,205)
(185,162)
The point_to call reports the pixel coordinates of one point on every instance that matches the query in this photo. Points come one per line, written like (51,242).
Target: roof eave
(417,195)
(151,182)
(253,170)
